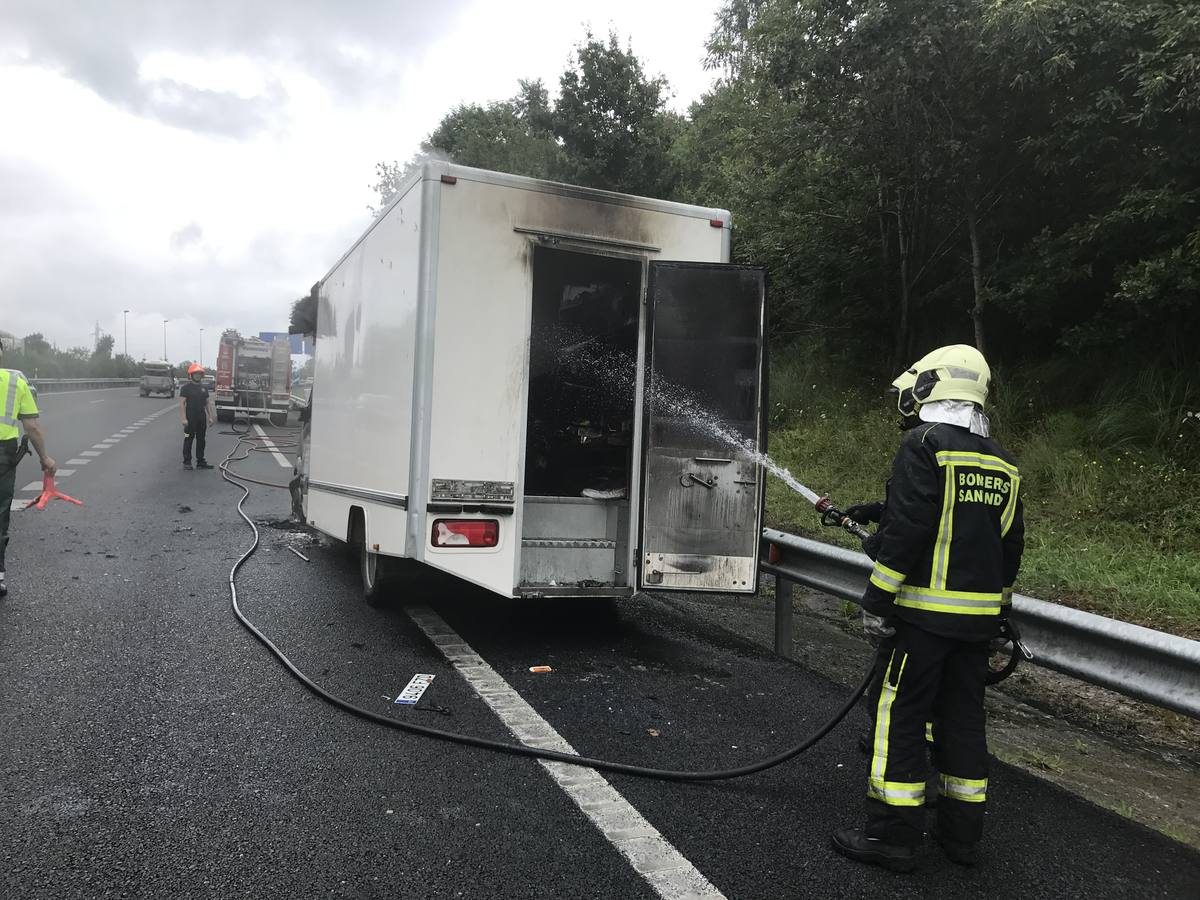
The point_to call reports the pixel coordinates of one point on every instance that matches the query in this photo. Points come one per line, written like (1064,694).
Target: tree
(613,123)
(609,129)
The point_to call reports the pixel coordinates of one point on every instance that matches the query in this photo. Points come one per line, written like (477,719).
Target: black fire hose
(601,765)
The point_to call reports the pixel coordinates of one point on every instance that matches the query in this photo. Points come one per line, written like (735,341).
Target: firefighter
(950,544)
(17,408)
(197,412)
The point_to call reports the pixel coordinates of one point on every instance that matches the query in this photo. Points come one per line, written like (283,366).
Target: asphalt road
(150,747)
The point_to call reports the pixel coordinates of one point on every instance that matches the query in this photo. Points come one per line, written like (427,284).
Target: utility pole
(126,322)
(165,321)
(96,336)
(201,360)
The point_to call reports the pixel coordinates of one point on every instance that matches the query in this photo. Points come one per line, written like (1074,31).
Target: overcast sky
(205,161)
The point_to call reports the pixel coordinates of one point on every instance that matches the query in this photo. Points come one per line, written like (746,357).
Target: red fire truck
(253,378)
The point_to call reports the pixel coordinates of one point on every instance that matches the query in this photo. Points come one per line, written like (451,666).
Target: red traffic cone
(49,492)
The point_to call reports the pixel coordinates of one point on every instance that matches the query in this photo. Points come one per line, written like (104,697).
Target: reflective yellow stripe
(968,790)
(886,579)
(883,720)
(897,793)
(929,732)
(941,548)
(1010,509)
(8,406)
(980,460)
(1006,596)
(963,602)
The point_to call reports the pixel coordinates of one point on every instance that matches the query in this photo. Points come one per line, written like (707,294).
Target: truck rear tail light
(465,532)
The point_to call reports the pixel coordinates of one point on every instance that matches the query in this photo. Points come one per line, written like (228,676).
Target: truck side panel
(484,303)
(363,382)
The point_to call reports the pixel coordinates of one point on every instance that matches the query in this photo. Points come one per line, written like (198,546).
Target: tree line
(1023,175)
(37,358)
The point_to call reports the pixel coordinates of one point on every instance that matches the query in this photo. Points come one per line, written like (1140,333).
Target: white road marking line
(96,401)
(17,505)
(104,445)
(78,462)
(64,473)
(270,445)
(663,867)
(96,447)
(33,486)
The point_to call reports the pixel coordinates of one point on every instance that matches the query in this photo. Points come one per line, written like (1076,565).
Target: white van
(542,389)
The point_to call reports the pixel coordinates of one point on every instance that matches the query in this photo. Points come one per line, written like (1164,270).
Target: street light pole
(201,360)
(126,317)
(165,321)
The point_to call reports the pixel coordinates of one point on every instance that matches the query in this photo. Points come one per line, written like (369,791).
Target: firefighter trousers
(928,678)
(196,428)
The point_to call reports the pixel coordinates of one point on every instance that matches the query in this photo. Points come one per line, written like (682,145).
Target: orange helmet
(194,368)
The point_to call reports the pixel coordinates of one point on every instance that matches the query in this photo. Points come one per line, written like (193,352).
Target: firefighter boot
(854,844)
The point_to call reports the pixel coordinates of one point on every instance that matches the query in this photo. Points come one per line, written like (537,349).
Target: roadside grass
(1112,502)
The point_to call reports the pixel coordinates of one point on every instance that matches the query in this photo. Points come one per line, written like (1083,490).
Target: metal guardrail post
(1163,669)
(783,617)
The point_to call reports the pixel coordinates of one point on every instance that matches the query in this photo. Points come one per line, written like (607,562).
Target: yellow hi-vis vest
(16,403)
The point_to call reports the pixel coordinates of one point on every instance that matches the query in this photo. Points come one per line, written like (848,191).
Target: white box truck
(507,377)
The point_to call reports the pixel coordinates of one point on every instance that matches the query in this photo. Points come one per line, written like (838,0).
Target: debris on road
(540,669)
(416,687)
(299,554)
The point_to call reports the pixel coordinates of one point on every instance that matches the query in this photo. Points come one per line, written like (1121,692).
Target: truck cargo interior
(579,451)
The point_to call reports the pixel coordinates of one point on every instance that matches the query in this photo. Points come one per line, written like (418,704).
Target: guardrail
(1149,665)
(52,385)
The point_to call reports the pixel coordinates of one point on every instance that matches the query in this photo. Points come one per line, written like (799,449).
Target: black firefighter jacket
(952,534)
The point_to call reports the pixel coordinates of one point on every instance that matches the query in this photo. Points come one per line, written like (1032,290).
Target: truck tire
(374,570)
(278,419)
(224,416)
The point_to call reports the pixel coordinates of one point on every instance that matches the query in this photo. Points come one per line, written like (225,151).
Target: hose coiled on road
(601,765)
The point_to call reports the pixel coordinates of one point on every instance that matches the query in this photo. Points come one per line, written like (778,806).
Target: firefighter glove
(876,627)
(866,513)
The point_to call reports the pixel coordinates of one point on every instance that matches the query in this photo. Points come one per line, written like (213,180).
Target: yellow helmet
(906,403)
(956,372)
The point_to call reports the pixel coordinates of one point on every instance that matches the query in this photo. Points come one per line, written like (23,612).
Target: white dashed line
(33,486)
(98,401)
(89,453)
(17,505)
(269,444)
(78,462)
(652,856)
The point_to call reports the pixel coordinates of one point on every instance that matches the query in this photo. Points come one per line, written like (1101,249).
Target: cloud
(354,49)
(187,236)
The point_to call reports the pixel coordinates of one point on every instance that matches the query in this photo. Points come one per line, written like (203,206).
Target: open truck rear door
(703,423)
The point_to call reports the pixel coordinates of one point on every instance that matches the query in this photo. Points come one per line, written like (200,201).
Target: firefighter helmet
(956,372)
(906,403)
(195,369)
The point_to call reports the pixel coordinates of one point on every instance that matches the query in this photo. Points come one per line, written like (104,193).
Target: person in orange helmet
(197,412)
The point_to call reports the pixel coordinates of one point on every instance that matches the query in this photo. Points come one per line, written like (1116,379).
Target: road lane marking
(17,505)
(651,855)
(270,445)
(33,486)
(63,473)
(89,453)
(78,462)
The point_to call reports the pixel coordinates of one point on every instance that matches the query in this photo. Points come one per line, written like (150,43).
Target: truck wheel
(224,416)
(279,420)
(375,570)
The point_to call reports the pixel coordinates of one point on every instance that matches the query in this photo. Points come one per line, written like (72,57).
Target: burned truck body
(542,389)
